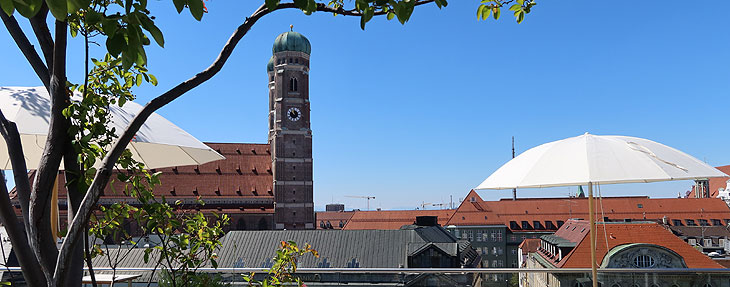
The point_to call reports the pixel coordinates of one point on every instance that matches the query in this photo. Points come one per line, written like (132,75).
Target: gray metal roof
(337,248)
(558,241)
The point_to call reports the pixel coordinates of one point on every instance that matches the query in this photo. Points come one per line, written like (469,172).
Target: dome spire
(291,28)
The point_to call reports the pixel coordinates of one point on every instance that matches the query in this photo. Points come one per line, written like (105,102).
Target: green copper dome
(270,65)
(292,41)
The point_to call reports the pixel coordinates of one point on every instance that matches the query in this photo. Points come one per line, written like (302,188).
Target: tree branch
(8,218)
(41,238)
(27,48)
(43,34)
(101,179)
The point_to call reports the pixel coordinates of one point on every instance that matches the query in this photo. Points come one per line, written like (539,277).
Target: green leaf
(116,43)
(486,13)
(148,25)
(515,7)
(58,8)
(271,4)
(390,15)
(520,17)
(196,9)
(522,2)
(92,17)
(28,8)
(480,11)
(496,13)
(7,6)
(301,4)
(179,5)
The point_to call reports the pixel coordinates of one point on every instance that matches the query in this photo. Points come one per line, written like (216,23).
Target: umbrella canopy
(158,143)
(600,160)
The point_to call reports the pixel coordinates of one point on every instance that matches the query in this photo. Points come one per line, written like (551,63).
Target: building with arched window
(627,245)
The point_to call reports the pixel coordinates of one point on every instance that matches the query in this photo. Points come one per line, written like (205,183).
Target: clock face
(294,114)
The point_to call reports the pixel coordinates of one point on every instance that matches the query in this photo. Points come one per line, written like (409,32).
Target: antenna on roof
(514,190)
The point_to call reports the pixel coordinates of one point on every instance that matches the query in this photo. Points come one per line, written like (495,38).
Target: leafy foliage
(494,8)
(284,267)
(194,280)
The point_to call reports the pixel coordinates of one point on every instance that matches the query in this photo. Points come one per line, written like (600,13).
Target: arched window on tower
(293,85)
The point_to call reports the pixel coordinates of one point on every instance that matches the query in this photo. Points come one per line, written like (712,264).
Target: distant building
(635,245)
(335,207)
(410,247)
(377,219)
(712,187)
(704,238)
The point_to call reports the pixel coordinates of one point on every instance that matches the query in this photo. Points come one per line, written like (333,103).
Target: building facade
(290,133)
(629,245)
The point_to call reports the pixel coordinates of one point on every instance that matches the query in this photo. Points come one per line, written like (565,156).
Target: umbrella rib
(183,150)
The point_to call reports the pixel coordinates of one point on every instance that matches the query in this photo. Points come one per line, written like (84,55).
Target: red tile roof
(333,217)
(529,245)
(479,212)
(624,233)
(392,219)
(244,178)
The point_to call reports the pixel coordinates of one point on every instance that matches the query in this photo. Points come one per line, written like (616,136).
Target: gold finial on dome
(291,27)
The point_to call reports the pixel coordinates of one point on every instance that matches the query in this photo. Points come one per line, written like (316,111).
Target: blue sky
(425,111)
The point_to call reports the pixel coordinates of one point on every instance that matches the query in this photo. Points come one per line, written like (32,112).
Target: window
(703,222)
(716,222)
(549,225)
(677,222)
(293,85)
(500,250)
(690,222)
(560,223)
(692,241)
(707,242)
(537,225)
(643,261)
(526,225)
(640,205)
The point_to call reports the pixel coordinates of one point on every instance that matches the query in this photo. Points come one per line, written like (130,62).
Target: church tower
(290,135)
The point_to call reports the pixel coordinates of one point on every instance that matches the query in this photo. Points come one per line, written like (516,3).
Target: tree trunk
(26,258)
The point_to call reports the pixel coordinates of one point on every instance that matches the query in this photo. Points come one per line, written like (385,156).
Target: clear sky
(425,111)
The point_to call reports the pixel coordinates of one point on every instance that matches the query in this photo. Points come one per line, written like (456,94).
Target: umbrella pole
(592,222)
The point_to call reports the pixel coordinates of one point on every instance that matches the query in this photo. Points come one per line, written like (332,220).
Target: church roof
(241,183)
(292,41)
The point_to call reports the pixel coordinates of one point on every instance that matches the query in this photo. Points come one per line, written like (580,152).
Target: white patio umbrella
(590,159)
(158,143)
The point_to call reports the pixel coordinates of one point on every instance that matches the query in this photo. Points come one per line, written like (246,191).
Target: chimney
(427,221)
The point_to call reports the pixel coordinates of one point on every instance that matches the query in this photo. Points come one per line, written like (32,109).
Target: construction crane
(365,197)
(424,204)
(440,205)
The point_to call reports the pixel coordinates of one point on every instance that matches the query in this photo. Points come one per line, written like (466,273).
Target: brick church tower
(290,135)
